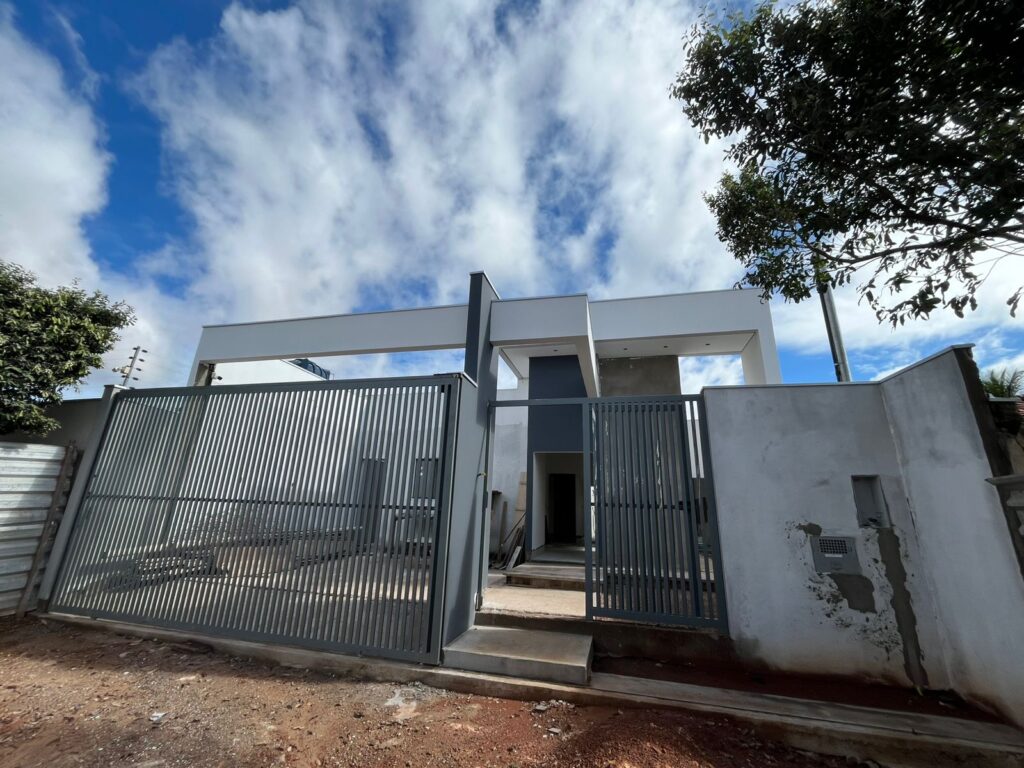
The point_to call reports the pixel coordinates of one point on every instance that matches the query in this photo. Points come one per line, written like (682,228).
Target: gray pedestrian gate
(652,538)
(309,514)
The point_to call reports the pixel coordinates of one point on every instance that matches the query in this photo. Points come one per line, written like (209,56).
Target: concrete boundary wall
(934,597)
(76,420)
(966,551)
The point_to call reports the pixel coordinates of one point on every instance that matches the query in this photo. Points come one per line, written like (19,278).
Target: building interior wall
(543,513)
(658,375)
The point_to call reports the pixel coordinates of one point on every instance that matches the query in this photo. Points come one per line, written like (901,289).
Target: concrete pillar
(760,360)
(468,524)
(77,493)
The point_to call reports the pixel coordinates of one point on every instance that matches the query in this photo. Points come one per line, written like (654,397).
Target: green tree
(876,141)
(1004,383)
(49,341)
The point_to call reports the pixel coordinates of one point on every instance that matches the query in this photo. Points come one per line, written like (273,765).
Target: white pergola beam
(407,330)
(513,323)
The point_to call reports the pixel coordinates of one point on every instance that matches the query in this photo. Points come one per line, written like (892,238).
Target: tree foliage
(877,141)
(1004,383)
(49,341)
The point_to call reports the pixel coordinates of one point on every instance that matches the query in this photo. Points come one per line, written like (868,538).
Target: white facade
(261,372)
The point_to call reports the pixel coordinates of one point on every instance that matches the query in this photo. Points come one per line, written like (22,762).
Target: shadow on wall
(77,419)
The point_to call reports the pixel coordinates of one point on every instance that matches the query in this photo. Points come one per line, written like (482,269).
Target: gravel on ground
(77,697)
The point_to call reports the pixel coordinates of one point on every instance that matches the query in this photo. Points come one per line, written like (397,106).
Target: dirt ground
(74,697)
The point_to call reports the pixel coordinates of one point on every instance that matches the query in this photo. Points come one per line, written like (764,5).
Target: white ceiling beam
(407,330)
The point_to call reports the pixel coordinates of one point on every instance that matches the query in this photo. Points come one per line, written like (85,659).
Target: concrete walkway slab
(536,602)
(547,576)
(532,654)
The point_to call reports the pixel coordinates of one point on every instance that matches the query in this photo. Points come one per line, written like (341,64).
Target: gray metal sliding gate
(652,538)
(310,514)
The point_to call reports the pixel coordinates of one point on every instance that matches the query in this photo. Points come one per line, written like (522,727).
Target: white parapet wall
(261,372)
(939,597)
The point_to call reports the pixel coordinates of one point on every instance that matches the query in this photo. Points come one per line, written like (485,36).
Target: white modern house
(556,346)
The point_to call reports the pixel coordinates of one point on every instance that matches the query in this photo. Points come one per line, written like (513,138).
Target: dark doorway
(371,498)
(562,508)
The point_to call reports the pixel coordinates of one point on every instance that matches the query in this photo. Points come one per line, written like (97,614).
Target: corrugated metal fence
(311,514)
(653,535)
(33,480)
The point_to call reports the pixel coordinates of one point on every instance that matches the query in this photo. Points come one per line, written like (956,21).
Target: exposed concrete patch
(857,590)
(849,599)
(903,607)
(811,529)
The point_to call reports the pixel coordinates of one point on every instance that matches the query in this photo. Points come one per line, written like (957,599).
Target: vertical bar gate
(652,548)
(310,514)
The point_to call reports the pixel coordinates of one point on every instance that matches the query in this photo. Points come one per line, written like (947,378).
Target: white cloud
(53,166)
(480,135)
(878,349)
(53,175)
(89,79)
(698,372)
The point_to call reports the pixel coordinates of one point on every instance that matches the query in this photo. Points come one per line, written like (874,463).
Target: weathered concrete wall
(639,375)
(965,543)
(77,418)
(783,459)
(939,601)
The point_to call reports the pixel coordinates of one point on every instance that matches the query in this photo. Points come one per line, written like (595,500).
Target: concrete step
(547,576)
(528,653)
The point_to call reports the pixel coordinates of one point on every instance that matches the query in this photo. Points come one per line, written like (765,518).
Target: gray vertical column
(467,522)
(78,487)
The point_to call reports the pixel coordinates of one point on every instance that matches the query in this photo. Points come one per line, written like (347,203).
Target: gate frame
(721,622)
(439,570)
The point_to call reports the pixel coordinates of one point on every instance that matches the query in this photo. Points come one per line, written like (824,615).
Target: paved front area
(76,697)
(526,600)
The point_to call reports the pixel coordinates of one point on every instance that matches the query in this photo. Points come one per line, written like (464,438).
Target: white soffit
(703,344)
(518,357)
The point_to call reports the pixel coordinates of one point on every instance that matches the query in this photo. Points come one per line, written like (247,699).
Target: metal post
(82,477)
(835,336)
(485,524)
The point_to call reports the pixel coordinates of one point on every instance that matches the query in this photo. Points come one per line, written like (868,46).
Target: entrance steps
(547,576)
(558,657)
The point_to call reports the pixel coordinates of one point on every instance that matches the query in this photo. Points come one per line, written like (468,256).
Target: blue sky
(211,162)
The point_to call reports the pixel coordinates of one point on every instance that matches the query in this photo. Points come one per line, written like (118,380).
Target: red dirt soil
(76,697)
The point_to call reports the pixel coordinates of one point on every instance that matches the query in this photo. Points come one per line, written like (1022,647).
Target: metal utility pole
(133,366)
(835,336)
